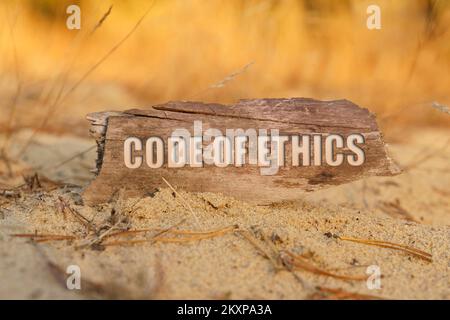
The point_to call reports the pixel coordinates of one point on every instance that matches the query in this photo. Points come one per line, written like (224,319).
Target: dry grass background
(308,48)
(221,51)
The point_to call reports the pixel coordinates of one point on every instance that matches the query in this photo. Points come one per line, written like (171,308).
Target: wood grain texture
(290,116)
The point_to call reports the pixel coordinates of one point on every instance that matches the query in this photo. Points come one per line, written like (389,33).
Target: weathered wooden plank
(291,117)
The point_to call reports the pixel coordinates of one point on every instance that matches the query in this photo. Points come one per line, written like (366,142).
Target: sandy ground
(249,254)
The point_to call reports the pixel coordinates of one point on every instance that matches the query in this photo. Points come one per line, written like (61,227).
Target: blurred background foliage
(298,48)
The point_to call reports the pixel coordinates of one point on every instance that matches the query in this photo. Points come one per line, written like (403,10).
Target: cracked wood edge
(291,116)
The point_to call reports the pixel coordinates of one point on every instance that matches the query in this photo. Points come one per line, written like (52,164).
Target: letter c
(129,146)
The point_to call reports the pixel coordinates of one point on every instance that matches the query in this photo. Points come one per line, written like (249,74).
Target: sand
(411,209)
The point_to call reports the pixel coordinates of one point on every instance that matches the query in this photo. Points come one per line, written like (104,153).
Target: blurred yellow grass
(319,49)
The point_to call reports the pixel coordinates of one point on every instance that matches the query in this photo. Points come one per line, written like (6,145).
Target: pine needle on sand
(44,237)
(188,236)
(324,293)
(390,245)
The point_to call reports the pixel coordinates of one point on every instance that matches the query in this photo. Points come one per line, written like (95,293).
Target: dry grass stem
(225,80)
(231,76)
(62,98)
(97,239)
(185,203)
(65,207)
(274,257)
(109,53)
(102,19)
(265,253)
(299,262)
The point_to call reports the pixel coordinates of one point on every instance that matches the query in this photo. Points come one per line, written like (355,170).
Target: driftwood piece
(291,117)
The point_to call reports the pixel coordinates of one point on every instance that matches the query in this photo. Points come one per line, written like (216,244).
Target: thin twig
(277,261)
(184,201)
(13,106)
(58,165)
(80,218)
(100,237)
